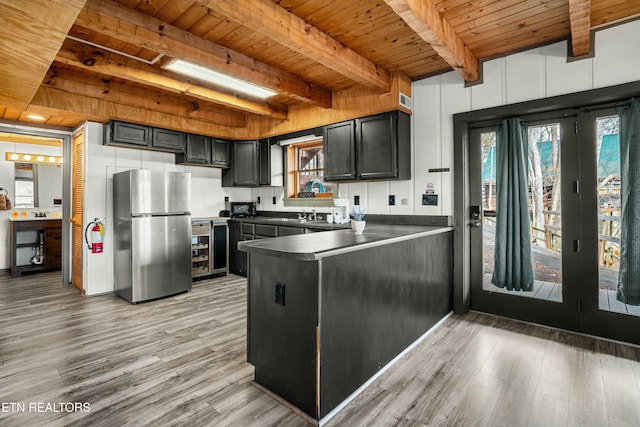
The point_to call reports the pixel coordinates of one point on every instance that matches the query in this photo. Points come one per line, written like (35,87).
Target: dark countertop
(314,246)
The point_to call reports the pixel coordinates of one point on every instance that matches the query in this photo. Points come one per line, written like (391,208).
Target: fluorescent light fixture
(37,117)
(208,75)
(33,158)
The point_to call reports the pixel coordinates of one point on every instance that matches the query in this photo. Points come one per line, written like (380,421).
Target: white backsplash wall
(207,196)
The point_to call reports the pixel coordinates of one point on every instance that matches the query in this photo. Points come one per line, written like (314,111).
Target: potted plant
(357,219)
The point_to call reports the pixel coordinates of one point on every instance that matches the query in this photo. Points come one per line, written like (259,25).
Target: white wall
(529,75)
(7,175)
(207,196)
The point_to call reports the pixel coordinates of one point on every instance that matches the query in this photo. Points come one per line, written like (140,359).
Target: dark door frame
(463,123)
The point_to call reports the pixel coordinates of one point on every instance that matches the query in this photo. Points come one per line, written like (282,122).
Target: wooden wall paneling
(579,15)
(510,27)
(172,10)
(348,104)
(80,56)
(190,16)
(151,7)
(100,87)
(175,42)
(103,111)
(604,12)
(427,22)
(498,10)
(52,18)
(275,22)
(546,35)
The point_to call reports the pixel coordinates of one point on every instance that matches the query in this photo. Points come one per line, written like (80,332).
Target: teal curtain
(513,268)
(629,274)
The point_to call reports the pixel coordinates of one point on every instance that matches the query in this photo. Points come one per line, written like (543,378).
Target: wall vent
(406,101)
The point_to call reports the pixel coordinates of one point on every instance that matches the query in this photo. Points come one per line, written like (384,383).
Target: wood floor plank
(182,361)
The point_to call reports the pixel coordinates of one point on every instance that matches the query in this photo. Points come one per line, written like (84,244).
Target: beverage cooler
(209,252)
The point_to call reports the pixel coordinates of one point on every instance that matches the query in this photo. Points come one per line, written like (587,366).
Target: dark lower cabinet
(237,259)
(239,231)
(35,246)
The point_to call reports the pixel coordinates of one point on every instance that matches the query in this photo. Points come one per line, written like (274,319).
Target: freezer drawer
(160,256)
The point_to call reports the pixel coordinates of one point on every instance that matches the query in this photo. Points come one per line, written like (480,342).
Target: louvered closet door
(76,210)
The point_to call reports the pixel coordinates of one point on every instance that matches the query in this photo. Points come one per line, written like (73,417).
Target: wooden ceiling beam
(78,55)
(30,139)
(58,101)
(271,20)
(580,17)
(110,18)
(31,33)
(82,83)
(423,17)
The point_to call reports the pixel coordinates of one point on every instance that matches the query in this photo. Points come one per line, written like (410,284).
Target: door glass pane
(609,219)
(544,211)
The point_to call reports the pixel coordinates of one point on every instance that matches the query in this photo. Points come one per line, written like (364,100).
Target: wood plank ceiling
(70,61)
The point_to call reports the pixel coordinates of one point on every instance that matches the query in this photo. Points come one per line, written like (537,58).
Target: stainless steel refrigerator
(152,234)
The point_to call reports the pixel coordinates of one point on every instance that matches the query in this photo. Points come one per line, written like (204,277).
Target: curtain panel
(629,273)
(513,269)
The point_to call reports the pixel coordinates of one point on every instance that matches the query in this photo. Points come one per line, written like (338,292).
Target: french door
(573,203)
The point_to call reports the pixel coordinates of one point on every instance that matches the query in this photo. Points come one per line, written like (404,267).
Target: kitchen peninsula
(326,311)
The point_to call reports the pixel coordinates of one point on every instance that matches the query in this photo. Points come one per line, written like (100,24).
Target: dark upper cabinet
(254,163)
(339,147)
(197,151)
(245,165)
(127,135)
(264,154)
(371,148)
(377,147)
(168,140)
(221,153)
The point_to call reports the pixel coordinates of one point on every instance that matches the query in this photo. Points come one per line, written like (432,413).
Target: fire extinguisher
(97,235)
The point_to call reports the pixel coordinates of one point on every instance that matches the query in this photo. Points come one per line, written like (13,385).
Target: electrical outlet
(356,200)
(404,202)
(392,200)
(274,200)
(279,291)
(226,199)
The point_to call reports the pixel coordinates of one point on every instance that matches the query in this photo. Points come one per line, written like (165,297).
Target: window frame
(290,158)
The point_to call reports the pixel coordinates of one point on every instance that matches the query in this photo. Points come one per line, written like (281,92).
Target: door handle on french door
(475,224)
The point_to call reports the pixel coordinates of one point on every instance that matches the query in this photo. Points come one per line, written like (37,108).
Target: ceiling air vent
(406,101)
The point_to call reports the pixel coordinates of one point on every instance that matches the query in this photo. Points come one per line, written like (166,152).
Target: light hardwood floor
(181,361)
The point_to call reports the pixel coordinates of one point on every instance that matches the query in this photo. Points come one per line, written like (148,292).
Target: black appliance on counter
(242,209)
